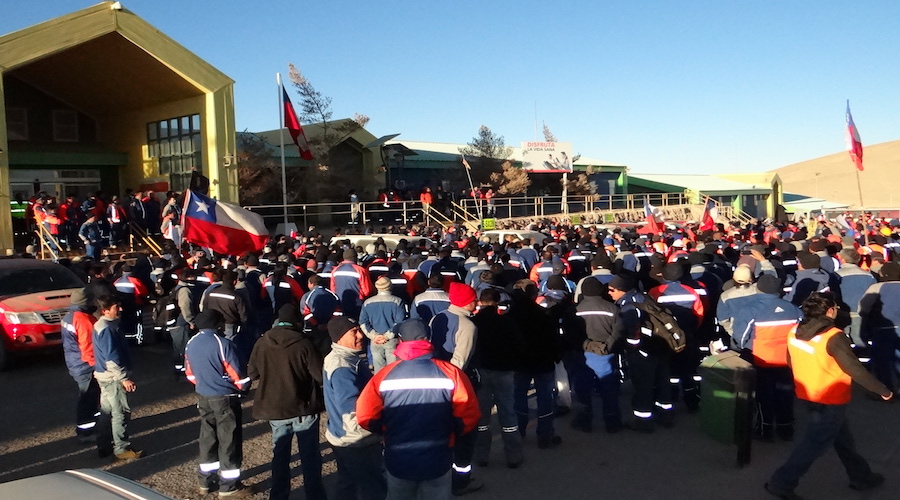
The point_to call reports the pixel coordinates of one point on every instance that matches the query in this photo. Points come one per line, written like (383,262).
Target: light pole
(817,183)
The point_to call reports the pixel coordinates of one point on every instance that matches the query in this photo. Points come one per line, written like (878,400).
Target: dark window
(177,145)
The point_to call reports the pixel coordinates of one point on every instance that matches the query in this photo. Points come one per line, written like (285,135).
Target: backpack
(663,325)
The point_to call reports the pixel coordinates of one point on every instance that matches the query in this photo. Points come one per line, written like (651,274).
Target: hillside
(836,179)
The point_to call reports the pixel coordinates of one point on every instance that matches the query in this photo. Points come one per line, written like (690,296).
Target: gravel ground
(36,437)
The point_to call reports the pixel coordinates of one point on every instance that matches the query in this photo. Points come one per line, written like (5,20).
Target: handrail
(151,244)
(45,237)
(430,211)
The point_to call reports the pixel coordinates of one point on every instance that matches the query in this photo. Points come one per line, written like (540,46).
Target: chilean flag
(292,123)
(225,228)
(650,213)
(710,212)
(854,145)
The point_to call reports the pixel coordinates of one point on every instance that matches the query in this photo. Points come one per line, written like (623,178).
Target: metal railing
(605,208)
(49,243)
(138,233)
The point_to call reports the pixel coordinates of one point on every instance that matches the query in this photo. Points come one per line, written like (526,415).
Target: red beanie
(461,294)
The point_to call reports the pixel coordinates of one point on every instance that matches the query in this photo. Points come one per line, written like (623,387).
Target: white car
(499,235)
(82,483)
(390,240)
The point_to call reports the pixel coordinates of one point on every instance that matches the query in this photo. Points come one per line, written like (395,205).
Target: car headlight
(23,318)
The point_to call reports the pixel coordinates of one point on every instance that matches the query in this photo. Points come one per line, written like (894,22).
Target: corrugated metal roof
(444,151)
(704,183)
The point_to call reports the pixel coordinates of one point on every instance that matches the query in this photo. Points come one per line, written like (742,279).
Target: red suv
(34,297)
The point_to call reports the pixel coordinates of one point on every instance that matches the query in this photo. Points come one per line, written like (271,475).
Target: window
(65,125)
(176,144)
(17,124)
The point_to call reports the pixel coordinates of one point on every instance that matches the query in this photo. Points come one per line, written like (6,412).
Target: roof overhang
(103,60)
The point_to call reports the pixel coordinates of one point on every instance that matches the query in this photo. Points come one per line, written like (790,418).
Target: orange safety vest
(817,376)
(770,342)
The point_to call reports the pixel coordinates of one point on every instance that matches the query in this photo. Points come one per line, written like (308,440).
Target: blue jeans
(827,427)
(383,354)
(582,379)
(114,416)
(543,386)
(360,472)
(306,429)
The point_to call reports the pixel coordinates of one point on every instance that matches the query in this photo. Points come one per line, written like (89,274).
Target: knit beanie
(621,283)
(461,294)
(591,287)
(383,284)
(413,329)
(290,314)
(770,284)
(338,326)
(673,272)
(890,271)
(209,319)
(78,298)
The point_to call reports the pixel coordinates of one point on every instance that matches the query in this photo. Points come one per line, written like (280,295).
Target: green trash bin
(727,401)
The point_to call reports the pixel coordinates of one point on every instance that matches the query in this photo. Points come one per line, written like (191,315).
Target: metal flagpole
(472,189)
(281,133)
(862,207)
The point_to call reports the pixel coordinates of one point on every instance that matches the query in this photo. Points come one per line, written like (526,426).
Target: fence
(382,214)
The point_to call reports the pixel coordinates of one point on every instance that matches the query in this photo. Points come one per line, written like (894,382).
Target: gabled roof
(707,184)
(443,151)
(359,137)
(112,61)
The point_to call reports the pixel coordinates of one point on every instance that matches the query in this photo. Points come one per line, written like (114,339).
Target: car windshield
(34,280)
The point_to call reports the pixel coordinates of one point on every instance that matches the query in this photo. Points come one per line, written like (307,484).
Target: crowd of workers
(409,349)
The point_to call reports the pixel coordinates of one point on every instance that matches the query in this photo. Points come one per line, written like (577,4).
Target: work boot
(764,433)
(642,425)
(467,485)
(129,455)
(551,442)
(873,481)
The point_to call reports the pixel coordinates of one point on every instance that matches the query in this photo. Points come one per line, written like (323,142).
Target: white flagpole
(281,133)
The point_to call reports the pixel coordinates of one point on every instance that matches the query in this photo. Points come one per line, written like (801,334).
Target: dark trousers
(360,472)
(543,386)
(87,408)
(886,357)
(775,400)
(463,452)
(827,427)
(221,443)
(650,376)
(180,334)
(684,370)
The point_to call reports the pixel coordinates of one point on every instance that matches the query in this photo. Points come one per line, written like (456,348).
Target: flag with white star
(223,227)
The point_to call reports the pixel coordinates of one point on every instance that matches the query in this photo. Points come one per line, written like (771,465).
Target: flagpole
(862,207)
(281,134)
(472,189)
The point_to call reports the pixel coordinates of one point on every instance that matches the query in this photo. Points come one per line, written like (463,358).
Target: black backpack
(663,325)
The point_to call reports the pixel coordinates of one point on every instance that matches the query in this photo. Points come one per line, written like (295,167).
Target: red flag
(710,212)
(854,145)
(292,123)
(227,229)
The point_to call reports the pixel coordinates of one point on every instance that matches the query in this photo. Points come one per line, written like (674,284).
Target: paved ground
(681,463)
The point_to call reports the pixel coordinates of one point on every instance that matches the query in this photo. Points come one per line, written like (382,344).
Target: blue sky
(660,86)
